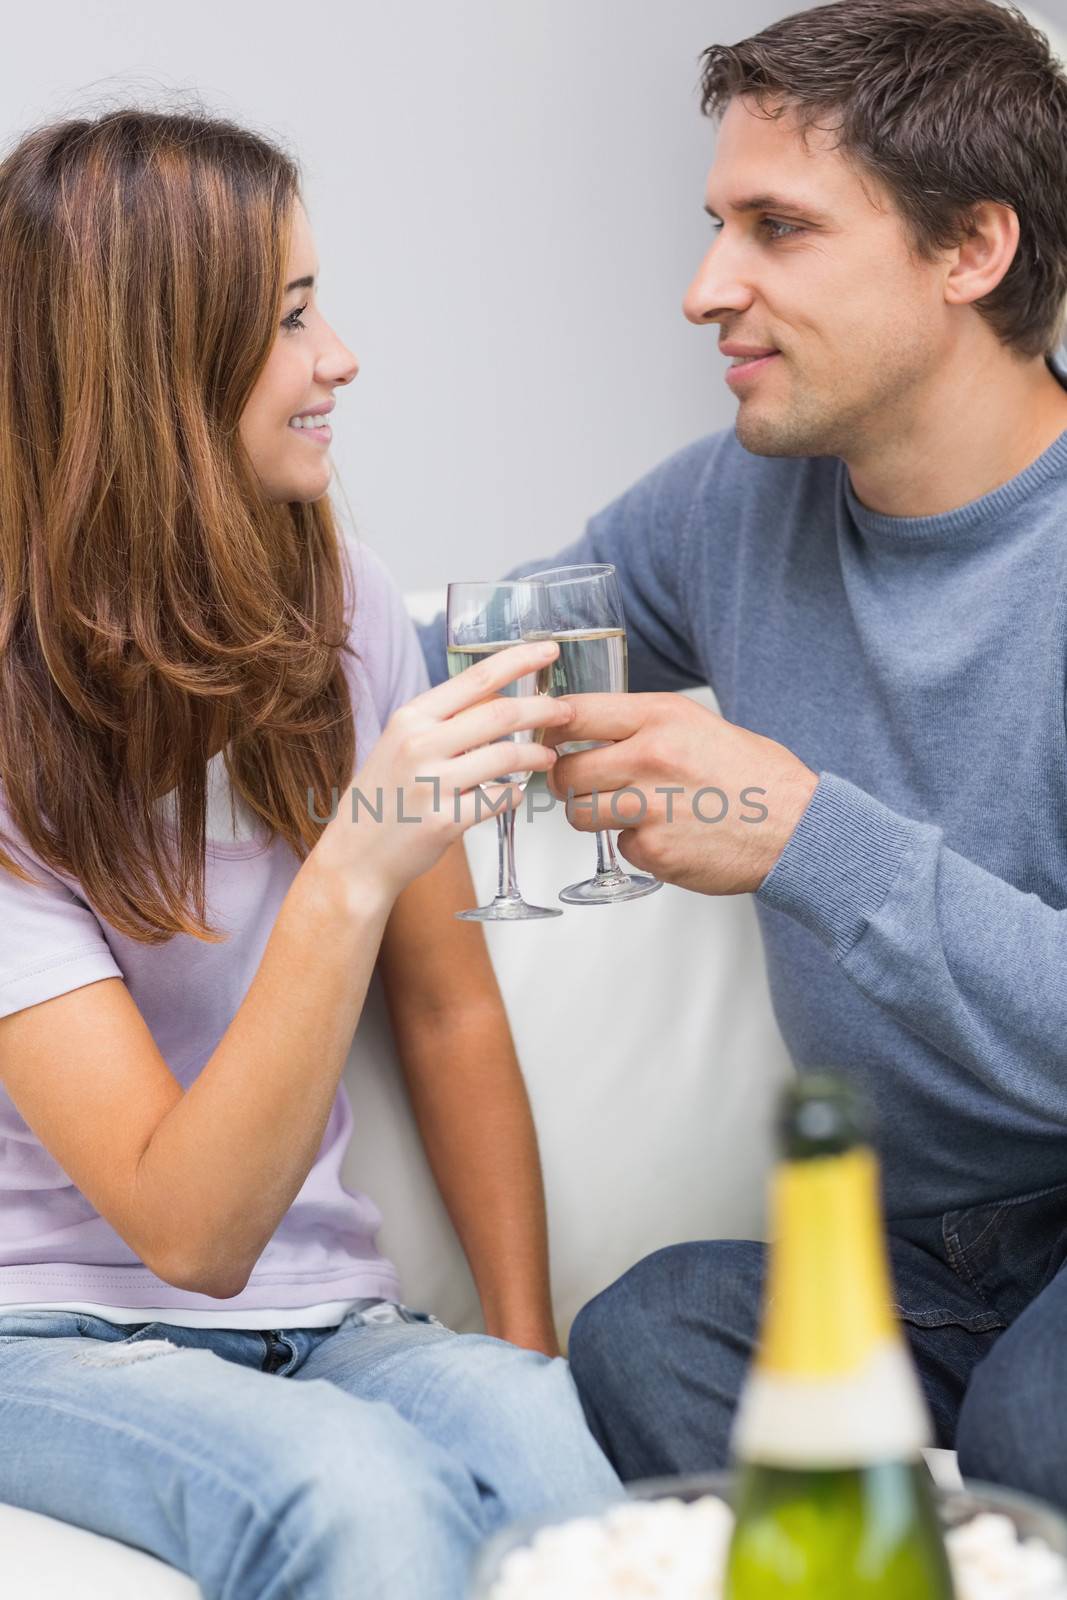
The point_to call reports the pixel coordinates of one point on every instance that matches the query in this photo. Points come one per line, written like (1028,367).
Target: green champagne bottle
(833,1499)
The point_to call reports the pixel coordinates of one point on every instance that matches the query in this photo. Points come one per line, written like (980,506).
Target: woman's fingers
(491,674)
(499,717)
(490,764)
(473,807)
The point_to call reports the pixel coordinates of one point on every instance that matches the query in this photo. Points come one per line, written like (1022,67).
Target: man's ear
(984,254)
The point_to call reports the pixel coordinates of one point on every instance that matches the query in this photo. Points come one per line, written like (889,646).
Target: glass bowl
(1032,1518)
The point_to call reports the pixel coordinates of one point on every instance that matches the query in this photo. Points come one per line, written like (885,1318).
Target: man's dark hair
(948,103)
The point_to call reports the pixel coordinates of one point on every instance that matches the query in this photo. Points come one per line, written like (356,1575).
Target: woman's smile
(314,423)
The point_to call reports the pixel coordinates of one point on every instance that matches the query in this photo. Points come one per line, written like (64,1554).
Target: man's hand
(737,796)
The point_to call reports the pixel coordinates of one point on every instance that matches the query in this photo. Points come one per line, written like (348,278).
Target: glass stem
(507,887)
(607,862)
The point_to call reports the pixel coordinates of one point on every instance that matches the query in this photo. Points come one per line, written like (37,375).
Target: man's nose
(718,289)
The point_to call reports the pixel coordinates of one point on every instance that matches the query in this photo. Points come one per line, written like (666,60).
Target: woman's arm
(197,1179)
(469,1098)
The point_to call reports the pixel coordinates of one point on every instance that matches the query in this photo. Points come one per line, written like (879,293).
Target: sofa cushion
(43,1559)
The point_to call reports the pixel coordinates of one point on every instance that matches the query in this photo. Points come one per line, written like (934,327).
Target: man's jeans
(363,1462)
(660,1357)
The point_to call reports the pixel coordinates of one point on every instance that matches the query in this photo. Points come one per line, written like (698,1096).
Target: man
(871,572)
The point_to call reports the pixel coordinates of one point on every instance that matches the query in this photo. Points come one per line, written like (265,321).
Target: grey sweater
(915,926)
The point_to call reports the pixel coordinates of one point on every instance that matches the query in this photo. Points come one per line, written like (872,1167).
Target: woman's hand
(423,774)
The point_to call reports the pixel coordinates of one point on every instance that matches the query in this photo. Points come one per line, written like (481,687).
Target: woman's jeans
(363,1462)
(660,1357)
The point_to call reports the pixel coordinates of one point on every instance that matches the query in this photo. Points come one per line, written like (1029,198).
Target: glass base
(502,910)
(609,889)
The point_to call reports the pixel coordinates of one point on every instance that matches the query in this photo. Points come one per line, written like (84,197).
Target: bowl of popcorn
(668,1541)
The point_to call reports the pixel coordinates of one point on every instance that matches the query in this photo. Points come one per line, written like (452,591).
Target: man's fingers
(600,769)
(604,717)
(614,809)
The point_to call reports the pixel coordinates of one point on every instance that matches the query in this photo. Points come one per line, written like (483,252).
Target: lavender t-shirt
(53,1245)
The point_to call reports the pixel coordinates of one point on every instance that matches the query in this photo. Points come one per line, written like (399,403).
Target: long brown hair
(948,103)
(152,602)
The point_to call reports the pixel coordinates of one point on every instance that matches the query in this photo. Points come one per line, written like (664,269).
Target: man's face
(820,271)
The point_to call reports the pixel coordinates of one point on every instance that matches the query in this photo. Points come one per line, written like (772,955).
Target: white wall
(507,199)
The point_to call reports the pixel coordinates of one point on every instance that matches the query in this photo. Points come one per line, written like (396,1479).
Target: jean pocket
(39,1325)
(929,1292)
(426,1318)
(1010,1249)
(970,1321)
(389,1314)
(91,1327)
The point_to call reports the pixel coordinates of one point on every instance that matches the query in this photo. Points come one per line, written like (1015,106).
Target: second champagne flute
(586,620)
(483,618)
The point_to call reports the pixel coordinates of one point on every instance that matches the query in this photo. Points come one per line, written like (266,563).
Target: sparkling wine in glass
(584,608)
(482,619)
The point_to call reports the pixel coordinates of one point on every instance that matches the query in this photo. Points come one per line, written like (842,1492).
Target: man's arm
(645,535)
(959,956)
(469,1098)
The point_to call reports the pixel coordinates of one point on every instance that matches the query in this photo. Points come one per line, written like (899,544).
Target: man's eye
(778,230)
(292,321)
(789,227)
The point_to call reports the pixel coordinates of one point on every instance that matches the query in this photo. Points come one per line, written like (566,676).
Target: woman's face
(308,361)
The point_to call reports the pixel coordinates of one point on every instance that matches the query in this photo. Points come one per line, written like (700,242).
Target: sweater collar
(976,515)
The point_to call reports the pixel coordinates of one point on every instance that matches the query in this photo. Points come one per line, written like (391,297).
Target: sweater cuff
(839,864)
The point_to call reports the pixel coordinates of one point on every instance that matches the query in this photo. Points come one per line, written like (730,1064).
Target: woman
(192,666)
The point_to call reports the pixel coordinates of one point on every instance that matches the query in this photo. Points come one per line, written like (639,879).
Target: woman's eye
(292,321)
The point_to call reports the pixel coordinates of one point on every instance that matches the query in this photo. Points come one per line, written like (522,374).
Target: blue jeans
(659,1358)
(374,1474)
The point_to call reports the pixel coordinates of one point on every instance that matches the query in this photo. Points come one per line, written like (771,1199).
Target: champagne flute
(586,619)
(483,618)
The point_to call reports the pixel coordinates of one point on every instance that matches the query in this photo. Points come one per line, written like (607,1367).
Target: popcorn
(990,1563)
(673,1550)
(640,1550)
